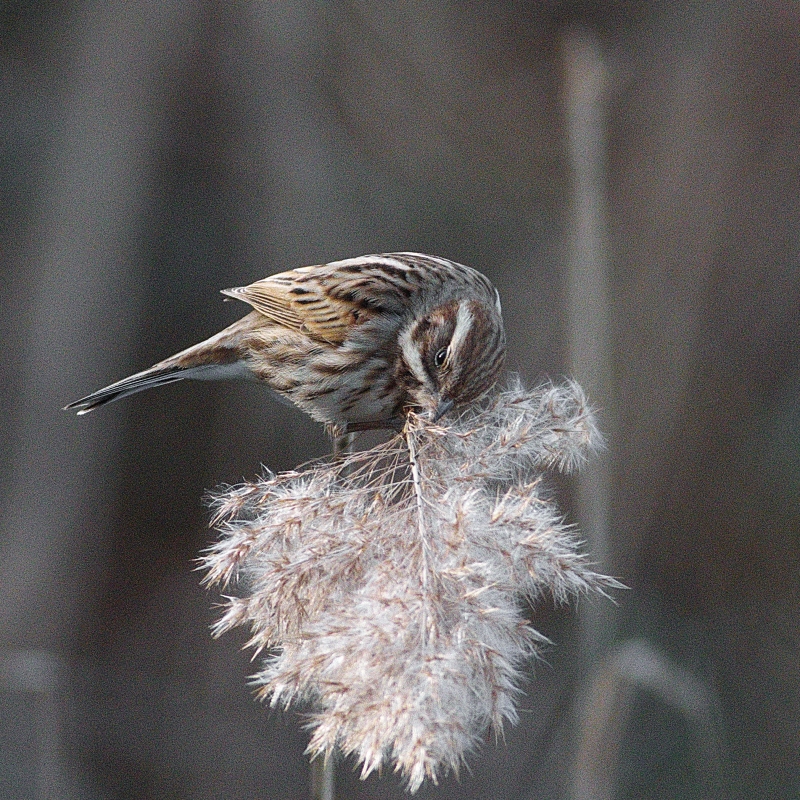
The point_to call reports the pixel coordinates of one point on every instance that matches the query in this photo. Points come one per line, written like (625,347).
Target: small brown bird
(354,343)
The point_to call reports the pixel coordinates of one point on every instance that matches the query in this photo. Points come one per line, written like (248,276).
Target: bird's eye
(439,358)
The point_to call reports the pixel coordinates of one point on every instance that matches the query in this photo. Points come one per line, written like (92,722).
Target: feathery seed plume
(387,587)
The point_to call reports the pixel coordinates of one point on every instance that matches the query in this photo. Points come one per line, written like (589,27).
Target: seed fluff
(387,588)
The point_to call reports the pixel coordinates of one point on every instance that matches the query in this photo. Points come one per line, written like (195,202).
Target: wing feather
(311,301)
(272,304)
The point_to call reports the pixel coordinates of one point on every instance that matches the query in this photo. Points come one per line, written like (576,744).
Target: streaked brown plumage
(354,343)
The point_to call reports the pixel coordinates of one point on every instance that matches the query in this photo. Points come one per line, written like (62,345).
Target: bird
(356,343)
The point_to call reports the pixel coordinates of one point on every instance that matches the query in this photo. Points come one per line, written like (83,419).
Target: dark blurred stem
(323,774)
(585,93)
(323,777)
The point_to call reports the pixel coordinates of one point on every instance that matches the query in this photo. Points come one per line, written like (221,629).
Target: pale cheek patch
(413,359)
(464,322)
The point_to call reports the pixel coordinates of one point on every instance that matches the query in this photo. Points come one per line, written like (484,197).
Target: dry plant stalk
(387,586)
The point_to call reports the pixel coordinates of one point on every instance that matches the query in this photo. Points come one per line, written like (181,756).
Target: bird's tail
(217,358)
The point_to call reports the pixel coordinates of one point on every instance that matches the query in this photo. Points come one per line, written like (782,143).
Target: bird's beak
(442,408)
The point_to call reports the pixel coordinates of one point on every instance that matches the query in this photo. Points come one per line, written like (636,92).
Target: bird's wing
(326,301)
(271,300)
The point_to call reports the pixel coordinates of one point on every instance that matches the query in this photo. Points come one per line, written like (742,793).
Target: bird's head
(452,355)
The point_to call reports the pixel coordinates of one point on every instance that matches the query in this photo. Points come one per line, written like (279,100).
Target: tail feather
(219,358)
(127,386)
(159,375)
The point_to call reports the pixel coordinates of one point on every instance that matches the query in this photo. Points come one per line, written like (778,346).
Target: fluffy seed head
(387,587)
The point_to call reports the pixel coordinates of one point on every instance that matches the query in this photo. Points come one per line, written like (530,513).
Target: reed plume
(387,588)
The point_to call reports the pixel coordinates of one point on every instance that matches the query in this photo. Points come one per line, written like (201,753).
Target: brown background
(154,152)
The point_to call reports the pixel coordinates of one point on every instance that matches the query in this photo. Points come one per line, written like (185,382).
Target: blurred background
(628,175)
